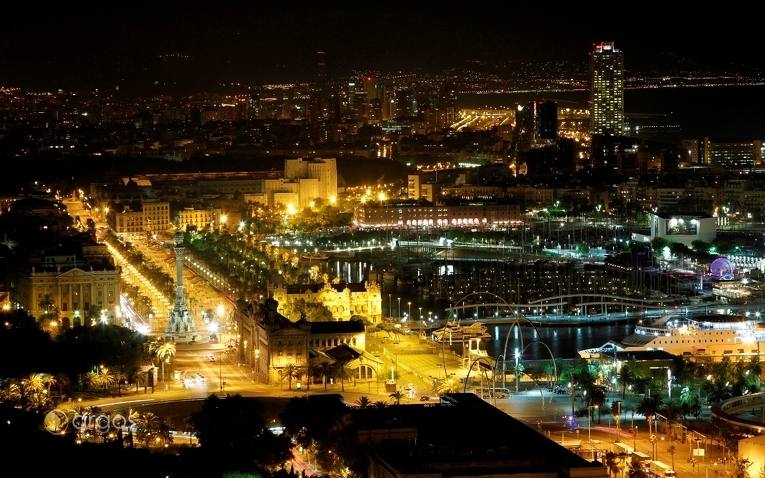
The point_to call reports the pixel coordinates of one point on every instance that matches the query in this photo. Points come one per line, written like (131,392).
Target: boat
(314,256)
(708,335)
(454,332)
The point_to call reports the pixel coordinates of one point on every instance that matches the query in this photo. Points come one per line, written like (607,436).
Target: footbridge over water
(559,305)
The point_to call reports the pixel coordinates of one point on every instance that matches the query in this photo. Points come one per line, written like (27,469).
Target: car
(424,398)
(210,357)
(200,377)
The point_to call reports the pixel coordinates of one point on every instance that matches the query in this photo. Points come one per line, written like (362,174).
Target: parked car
(211,357)
(424,398)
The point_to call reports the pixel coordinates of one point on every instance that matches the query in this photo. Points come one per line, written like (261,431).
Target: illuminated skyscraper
(607,89)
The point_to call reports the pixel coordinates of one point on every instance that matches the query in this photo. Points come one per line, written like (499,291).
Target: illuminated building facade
(732,152)
(684,228)
(343,300)
(199,218)
(66,283)
(607,89)
(414,215)
(269,342)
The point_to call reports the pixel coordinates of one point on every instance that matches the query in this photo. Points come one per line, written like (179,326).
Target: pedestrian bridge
(727,411)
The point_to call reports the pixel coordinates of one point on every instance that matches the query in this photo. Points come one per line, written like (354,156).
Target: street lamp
(220,371)
(410,309)
(669,405)
(398,311)
(517,378)
(257,364)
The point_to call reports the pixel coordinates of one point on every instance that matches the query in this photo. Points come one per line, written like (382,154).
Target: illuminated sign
(679,226)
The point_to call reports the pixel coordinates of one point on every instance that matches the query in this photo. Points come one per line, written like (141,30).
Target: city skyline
(74,48)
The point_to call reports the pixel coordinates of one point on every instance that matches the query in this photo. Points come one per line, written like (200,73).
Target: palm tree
(636,470)
(396,397)
(717,391)
(340,369)
(47,302)
(614,463)
(754,368)
(119,376)
(446,386)
(597,398)
(310,370)
(101,379)
(164,350)
(325,370)
(380,404)
(363,402)
(629,375)
(289,372)
(648,406)
(147,427)
(63,383)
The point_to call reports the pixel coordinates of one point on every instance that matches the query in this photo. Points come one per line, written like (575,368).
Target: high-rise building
(321,82)
(607,89)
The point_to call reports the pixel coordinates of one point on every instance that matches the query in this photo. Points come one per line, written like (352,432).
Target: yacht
(708,335)
(454,332)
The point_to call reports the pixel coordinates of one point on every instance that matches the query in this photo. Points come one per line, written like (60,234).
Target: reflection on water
(406,300)
(348,271)
(564,342)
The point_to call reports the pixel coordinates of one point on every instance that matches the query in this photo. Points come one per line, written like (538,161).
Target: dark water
(565,342)
(723,111)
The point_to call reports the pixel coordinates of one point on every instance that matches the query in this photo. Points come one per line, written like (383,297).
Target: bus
(662,470)
(491,392)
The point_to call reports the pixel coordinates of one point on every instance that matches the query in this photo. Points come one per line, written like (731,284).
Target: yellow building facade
(343,300)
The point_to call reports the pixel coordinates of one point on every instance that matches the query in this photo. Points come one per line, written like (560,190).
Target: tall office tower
(447,102)
(321,83)
(389,102)
(547,119)
(370,88)
(607,89)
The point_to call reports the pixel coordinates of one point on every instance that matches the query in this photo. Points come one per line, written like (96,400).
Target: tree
(648,406)
(233,430)
(289,372)
(629,374)
(340,369)
(442,387)
(363,402)
(741,468)
(396,397)
(119,376)
(163,349)
(310,370)
(325,369)
(753,368)
(717,391)
(614,462)
(47,303)
(636,470)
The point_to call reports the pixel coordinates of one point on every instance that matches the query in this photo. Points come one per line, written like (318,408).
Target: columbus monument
(180,326)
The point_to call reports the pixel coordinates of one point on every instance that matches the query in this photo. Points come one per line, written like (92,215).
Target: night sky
(101,45)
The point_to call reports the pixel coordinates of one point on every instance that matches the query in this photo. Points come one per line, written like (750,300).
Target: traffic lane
(300,466)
